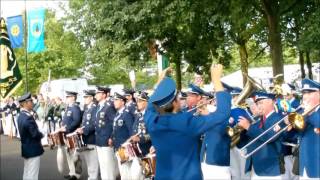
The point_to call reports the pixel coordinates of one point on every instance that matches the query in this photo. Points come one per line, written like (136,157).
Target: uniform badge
(102,115)
(69,113)
(120,122)
(88,116)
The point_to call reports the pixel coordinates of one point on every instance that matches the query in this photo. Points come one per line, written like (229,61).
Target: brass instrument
(235,132)
(277,82)
(296,120)
(250,87)
(200,105)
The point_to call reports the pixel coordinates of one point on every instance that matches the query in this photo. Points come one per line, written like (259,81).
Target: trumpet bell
(230,131)
(297,121)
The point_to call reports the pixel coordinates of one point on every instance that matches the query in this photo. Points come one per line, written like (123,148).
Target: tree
(121,30)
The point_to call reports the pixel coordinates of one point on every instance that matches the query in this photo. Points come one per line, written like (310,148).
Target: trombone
(296,120)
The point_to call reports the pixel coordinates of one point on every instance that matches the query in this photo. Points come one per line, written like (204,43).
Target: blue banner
(15,31)
(36,30)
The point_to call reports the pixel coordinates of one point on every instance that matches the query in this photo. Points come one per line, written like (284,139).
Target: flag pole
(26,45)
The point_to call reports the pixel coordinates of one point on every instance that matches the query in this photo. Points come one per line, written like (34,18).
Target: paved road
(11,167)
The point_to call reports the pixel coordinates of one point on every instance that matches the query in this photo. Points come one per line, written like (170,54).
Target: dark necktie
(263,120)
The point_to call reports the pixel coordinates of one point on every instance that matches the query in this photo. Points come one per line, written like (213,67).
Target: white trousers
(130,170)
(238,165)
(9,128)
(254,176)
(107,162)
(136,170)
(72,158)
(306,177)
(92,162)
(288,164)
(43,128)
(215,172)
(31,168)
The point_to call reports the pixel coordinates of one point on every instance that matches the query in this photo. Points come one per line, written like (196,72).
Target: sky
(16,7)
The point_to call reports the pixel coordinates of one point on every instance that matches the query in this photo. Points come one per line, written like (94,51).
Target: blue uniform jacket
(122,127)
(266,161)
(132,107)
(310,147)
(104,121)
(139,127)
(295,103)
(72,118)
(30,135)
(176,136)
(88,120)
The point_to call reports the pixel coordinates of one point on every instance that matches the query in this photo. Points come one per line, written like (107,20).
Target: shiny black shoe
(73,178)
(67,176)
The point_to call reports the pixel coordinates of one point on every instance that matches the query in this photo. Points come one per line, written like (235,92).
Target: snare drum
(74,141)
(148,164)
(56,139)
(128,151)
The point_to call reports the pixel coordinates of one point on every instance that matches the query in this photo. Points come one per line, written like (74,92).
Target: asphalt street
(12,162)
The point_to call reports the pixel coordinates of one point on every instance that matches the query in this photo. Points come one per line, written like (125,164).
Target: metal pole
(26,45)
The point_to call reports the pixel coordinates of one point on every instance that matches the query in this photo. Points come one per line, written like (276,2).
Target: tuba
(250,87)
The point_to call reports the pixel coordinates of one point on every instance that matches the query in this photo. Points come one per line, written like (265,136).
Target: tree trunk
(177,62)
(301,61)
(271,9)
(309,65)
(244,61)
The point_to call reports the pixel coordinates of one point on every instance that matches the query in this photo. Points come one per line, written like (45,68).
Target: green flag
(10,76)
(163,62)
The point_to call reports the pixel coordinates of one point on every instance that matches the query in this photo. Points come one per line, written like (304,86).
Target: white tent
(264,75)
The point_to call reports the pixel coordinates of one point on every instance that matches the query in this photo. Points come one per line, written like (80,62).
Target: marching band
(227,133)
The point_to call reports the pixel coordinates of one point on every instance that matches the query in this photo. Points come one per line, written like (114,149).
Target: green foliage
(117,35)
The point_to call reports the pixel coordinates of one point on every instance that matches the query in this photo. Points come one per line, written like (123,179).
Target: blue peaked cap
(194,89)
(309,85)
(71,93)
(259,95)
(231,90)
(25,97)
(165,93)
(237,112)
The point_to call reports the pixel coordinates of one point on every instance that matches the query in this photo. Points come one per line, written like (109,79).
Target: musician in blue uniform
(31,148)
(183,100)
(266,162)
(216,166)
(309,152)
(286,104)
(140,134)
(237,162)
(130,102)
(103,130)
(70,122)
(194,96)
(289,93)
(122,129)
(175,134)
(88,135)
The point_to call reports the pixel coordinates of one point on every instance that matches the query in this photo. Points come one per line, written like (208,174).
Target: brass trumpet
(296,120)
